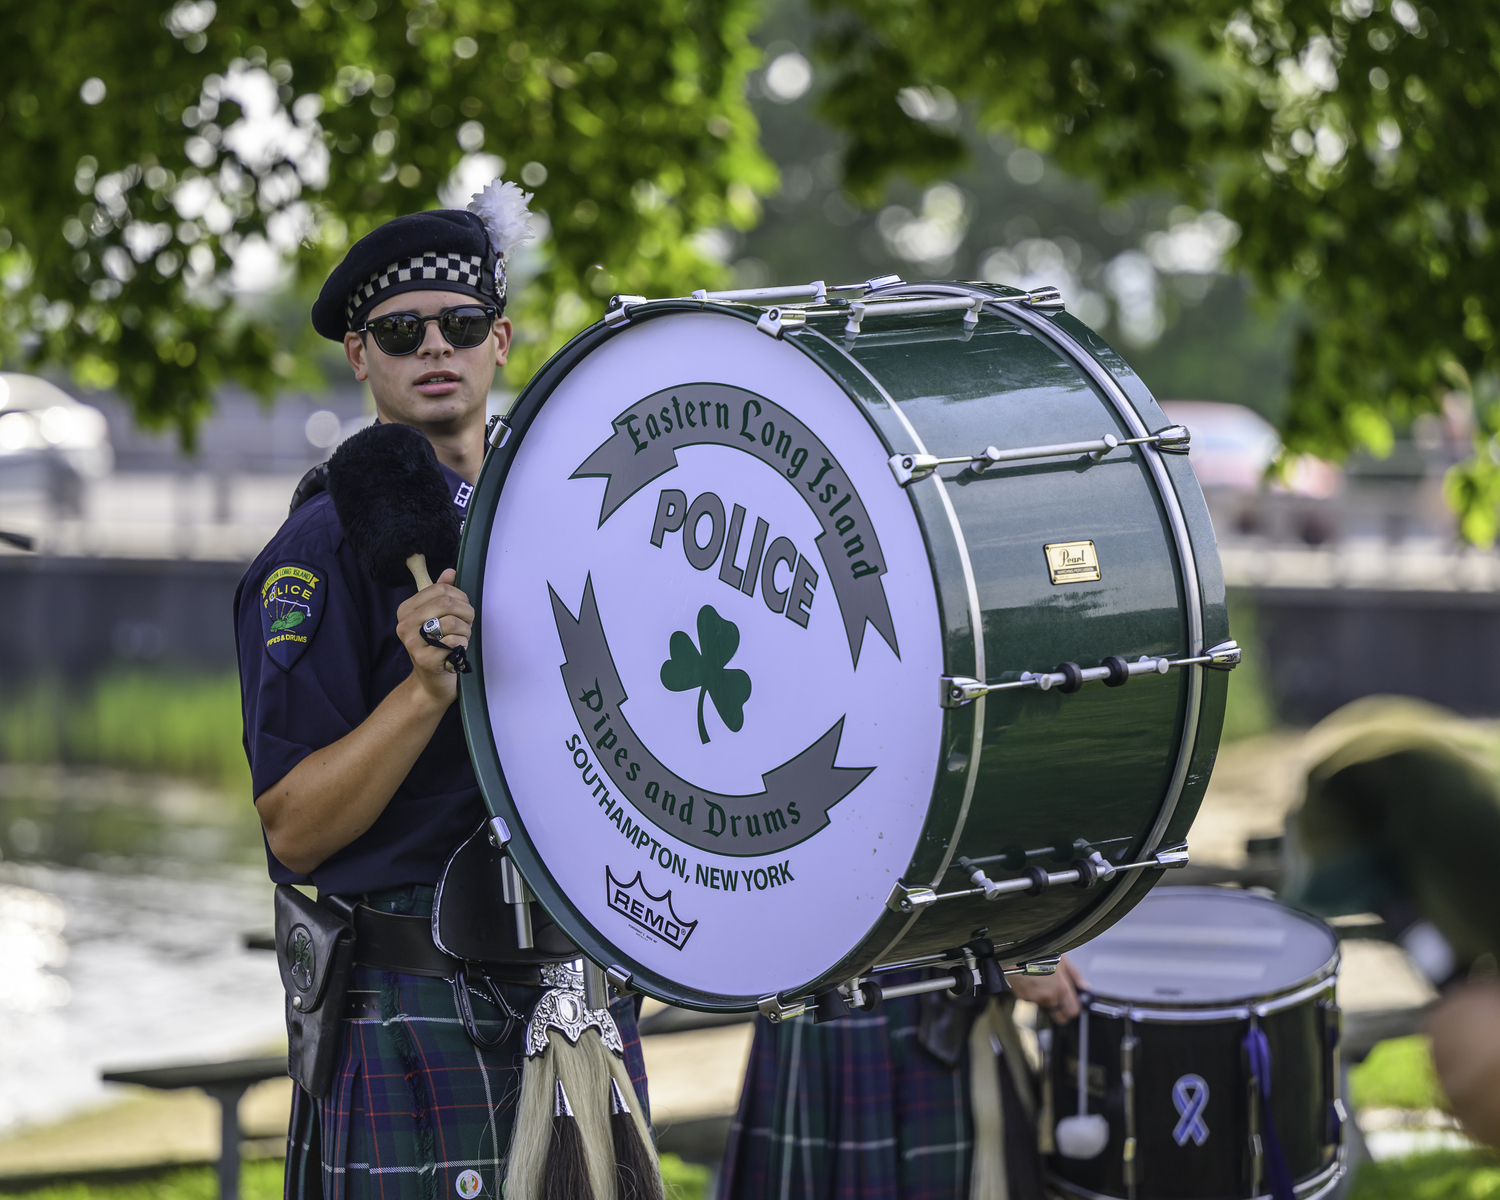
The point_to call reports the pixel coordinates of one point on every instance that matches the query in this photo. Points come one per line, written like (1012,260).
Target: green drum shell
(1123,769)
(1099,765)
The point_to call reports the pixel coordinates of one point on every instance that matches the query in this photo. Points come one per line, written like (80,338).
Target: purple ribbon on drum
(1278,1174)
(1190,1095)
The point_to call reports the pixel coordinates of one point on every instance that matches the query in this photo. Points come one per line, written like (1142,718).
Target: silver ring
(433,625)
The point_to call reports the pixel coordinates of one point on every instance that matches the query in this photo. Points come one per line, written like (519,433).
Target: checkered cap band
(440,268)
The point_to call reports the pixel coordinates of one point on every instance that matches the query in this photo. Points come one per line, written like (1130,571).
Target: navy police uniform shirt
(318,653)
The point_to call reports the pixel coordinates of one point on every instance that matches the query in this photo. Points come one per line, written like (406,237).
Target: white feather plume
(502,208)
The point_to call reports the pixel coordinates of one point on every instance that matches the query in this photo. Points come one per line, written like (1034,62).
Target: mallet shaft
(417,565)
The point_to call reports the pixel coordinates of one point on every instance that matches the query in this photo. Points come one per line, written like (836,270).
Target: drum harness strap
(982,1025)
(993,1035)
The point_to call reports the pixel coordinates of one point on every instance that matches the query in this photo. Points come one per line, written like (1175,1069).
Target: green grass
(262,1181)
(684,1180)
(187,725)
(1398,1074)
(1442,1175)
(258,1181)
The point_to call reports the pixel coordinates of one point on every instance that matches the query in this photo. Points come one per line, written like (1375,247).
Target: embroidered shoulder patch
(291,606)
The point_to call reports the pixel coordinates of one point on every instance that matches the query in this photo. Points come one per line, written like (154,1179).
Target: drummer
(892,1105)
(361,774)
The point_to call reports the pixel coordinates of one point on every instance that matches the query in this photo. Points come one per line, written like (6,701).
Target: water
(123,905)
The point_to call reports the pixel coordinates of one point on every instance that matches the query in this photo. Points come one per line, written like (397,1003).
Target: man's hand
(1055,994)
(448,606)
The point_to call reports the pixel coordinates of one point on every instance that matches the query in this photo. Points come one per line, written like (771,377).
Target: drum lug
(1046,299)
(776,1010)
(905,899)
(908,468)
(619,308)
(958,690)
(775,321)
(619,978)
(499,833)
(1174,439)
(1224,657)
(1041,966)
(1172,857)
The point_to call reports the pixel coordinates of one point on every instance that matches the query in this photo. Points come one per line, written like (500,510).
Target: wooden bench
(226,1082)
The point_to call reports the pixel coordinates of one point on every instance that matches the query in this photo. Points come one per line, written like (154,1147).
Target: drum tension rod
(972,969)
(1084,873)
(909,468)
(858,310)
(958,690)
(815,292)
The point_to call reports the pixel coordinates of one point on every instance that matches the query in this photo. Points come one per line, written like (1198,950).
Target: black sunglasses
(463,326)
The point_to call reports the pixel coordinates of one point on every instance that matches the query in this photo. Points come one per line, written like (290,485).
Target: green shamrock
(688,669)
(291,619)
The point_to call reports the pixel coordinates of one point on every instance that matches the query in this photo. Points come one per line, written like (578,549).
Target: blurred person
(362,776)
(930,1097)
(1465,1032)
(1401,817)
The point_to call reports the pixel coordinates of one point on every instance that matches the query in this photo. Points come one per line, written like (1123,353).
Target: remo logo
(721,716)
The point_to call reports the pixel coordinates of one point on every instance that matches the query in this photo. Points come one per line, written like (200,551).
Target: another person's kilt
(414,1102)
(855,1109)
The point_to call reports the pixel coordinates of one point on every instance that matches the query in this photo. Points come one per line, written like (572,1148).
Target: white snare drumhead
(1204,945)
(725,772)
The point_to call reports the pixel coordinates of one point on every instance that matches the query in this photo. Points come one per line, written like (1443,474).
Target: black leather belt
(403,944)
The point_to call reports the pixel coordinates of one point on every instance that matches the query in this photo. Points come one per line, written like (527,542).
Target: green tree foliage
(142,146)
(1354,142)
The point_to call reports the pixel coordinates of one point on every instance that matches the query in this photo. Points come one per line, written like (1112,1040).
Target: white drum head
(1205,945)
(752,861)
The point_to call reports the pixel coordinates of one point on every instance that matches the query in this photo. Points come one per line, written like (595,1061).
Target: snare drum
(817,637)
(1212,1038)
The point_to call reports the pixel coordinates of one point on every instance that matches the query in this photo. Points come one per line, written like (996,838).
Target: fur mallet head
(392,501)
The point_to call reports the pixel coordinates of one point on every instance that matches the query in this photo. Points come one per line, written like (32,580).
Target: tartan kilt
(414,1102)
(855,1109)
(849,1110)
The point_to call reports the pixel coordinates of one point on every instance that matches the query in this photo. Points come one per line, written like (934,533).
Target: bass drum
(767,692)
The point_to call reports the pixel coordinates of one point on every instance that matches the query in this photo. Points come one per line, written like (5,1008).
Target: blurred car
(50,442)
(1233,445)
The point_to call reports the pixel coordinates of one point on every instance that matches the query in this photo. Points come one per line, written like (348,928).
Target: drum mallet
(1085,1135)
(395,509)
